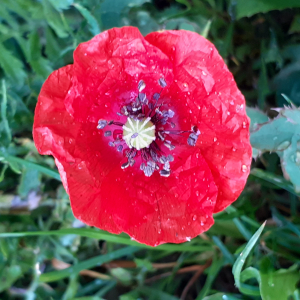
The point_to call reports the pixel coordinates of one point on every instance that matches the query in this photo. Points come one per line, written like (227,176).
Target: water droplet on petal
(194,218)
(244,168)
(215,139)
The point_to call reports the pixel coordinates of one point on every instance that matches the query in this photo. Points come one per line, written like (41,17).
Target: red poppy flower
(149,134)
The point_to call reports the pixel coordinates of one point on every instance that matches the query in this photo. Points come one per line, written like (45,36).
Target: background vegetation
(45,253)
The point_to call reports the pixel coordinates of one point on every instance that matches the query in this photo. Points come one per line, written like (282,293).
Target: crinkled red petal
(216,105)
(105,74)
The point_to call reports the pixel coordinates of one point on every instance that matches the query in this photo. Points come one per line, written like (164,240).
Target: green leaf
(12,66)
(111,11)
(9,276)
(247,8)
(278,133)
(256,116)
(101,235)
(61,4)
(4,121)
(93,23)
(274,179)
(16,161)
(54,20)
(30,180)
(122,275)
(278,285)
(291,163)
(39,64)
(281,135)
(239,263)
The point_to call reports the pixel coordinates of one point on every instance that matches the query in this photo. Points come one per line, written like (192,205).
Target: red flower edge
(200,90)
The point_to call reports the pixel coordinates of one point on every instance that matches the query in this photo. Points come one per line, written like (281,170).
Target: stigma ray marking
(148,136)
(130,122)
(145,122)
(126,128)
(149,129)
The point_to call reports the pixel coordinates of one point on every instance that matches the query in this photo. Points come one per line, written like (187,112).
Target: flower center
(148,134)
(138,134)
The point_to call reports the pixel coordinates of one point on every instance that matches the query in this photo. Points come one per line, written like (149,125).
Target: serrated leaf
(278,133)
(256,116)
(246,8)
(11,65)
(291,163)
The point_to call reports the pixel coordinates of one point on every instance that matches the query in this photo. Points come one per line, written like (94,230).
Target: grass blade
(96,234)
(239,263)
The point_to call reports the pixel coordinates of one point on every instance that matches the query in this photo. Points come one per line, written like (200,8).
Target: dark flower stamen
(145,123)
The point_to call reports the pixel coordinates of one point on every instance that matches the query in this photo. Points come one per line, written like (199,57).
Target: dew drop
(233,149)
(188,238)
(244,168)
(204,74)
(194,218)
(238,108)
(197,193)
(159,231)
(244,124)
(215,139)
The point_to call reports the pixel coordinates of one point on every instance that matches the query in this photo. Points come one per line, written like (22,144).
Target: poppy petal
(152,210)
(224,142)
